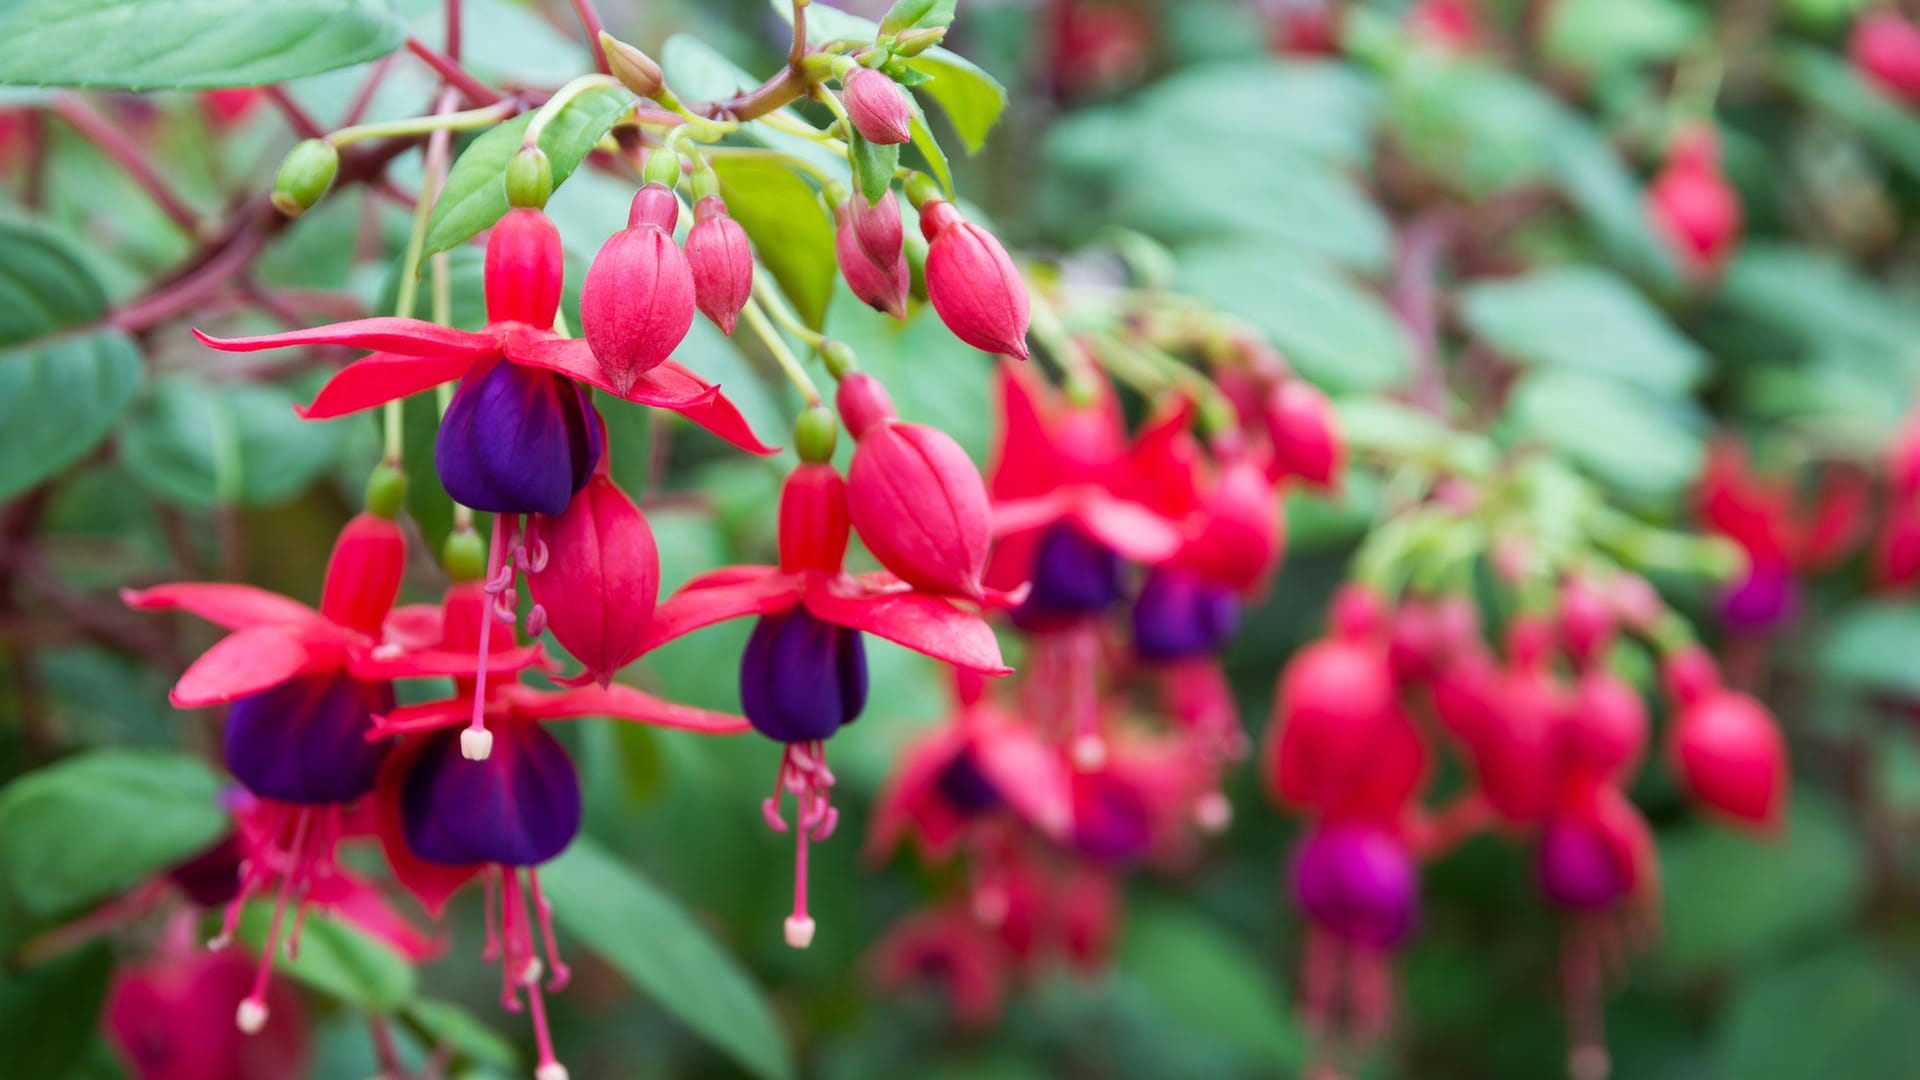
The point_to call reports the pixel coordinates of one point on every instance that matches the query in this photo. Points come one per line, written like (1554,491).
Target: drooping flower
(519,436)
(1359,887)
(1885,49)
(721,260)
(1693,206)
(880,279)
(637,302)
(599,584)
(804,673)
(949,948)
(1782,536)
(973,284)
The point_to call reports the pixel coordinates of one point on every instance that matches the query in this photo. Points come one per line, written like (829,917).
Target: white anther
(799,931)
(476,744)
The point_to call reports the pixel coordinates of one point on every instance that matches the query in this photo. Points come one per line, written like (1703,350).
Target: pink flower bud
(973,283)
(721,262)
(813,520)
(601,579)
(524,269)
(1333,704)
(1692,205)
(921,507)
(1306,438)
(637,303)
(1606,731)
(1239,532)
(878,107)
(1587,620)
(864,403)
(881,286)
(1886,52)
(877,226)
(1731,757)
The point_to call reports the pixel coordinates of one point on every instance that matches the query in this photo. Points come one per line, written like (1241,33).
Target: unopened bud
(840,358)
(915,42)
(305,175)
(386,491)
(815,433)
(464,555)
(878,107)
(635,69)
(529,179)
(663,168)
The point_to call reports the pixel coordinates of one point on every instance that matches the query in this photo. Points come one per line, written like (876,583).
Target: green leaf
(625,919)
(972,99)
(1848,1009)
(1328,112)
(791,232)
(203,444)
(1480,128)
(149,44)
(1724,900)
(1584,319)
(1871,647)
(1832,85)
(476,194)
(446,1024)
(1608,195)
(1337,333)
(58,398)
(49,1014)
(1819,298)
(1639,443)
(338,960)
(873,165)
(44,285)
(929,146)
(916,14)
(1207,982)
(91,826)
(1605,36)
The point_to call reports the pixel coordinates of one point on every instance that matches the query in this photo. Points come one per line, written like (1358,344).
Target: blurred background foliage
(1274,188)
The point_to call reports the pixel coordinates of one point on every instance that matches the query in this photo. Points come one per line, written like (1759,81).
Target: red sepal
(247,662)
(881,605)
(724,594)
(380,378)
(620,702)
(406,337)
(234,607)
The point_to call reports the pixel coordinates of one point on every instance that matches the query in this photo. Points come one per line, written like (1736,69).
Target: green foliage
(201,444)
(789,226)
(972,99)
(1635,441)
(1205,981)
(1845,1007)
(475,195)
(1583,319)
(338,960)
(653,942)
(94,825)
(147,44)
(48,1014)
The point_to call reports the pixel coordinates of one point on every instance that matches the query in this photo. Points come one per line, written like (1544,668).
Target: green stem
(560,100)
(782,355)
(776,306)
(422,125)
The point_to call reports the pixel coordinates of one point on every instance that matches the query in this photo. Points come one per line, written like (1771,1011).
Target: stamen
(476,742)
(252,1014)
(537,621)
(804,775)
(562,974)
(1213,812)
(489,889)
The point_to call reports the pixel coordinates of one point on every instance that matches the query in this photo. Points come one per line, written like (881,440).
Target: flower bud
(881,286)
(464,555)
(638,300)
(815,433)
(305,175)
(1306,438)
(813,519)
(1587,620)
(878,107)
(1606,730)
(1886,52)
(921,507)
(386,491)
(1690,676)
(524,269)
(973,283)
(529,178)
(1334,701)
(863,403)
(601,579)
(363,574)
(721,262)
(914,42)
(1241,530)
(877,227)
(839,358)
(1731,757)
(1692,205)
(664,168)
(635,69)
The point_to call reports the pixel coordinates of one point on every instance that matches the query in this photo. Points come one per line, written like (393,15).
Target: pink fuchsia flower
(638,299)
(1453,25)
(949,948)
(804,672)
(599,584)
(1693,206)
(444,817)
(1782,536)
(1303,433)
(1885,49)
(1334,705)
(914,496)
(974,768)
(721,260)
(877,106)
(973,284)
(877,227)
(519,436)
(1360,890)
(1228,507)
(880,280)
(157,1009)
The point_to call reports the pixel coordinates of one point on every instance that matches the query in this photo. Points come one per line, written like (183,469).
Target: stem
(130,156)
(590,22)
(409,289)
(302,120)
(363,97)
(1416,301)
(559,102)
(776,306)
(453,29)
(473,89)
(782,355)
(425,125)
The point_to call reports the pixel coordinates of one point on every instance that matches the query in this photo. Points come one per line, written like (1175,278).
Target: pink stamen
(537,621)
(252,1014)
(490,951)
(804,775)
(476,742)
(562,974)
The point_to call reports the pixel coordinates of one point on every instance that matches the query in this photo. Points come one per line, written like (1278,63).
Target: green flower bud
(840,358)
(464,555)
(915,42)
(529,178)
(663,167)
(814,434)
(305,175)
(636,70)
(706,183)
(386,491)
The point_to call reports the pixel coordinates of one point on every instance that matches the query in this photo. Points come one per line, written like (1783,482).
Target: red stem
(364,96)
(302,120)
(1416,301)
(453,29)
(130,156)
(477,93)
(590,20)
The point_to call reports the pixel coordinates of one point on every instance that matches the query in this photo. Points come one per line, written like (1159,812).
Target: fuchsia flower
(1693,206)
(1783,538)
(804,672)
(877,227)
(444,818)
(972,282)
(1453,25)
(599,584)
(964,773)
(1886,52)
(877,106)
(304,686)
(876,272)
(519,436)
(637,302)
(721,260)
(157,1007)
(1305,438)
(1726,745)
(946,946)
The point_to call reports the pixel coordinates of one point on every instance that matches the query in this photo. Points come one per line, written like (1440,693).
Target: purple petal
(1577,868)
(515,441)
(1359,883)
(965,787)
(801,677)
(519,807)
(1111,821)
(1179,616)
(1072,576)
(304,740)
